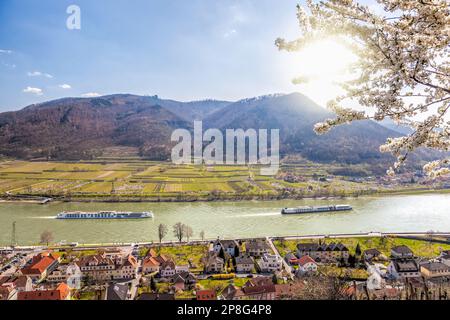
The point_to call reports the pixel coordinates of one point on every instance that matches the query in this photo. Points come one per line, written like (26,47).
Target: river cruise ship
(104,215)
(302,210)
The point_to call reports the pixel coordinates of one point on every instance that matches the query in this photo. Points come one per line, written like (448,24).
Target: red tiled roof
(60,293)
(206,295)
(304,260)
(150,262)
(39,266)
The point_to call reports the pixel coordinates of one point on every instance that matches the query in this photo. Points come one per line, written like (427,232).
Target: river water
(400,213)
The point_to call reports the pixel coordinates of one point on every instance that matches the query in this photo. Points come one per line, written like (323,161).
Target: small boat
(76,215)
(302,210)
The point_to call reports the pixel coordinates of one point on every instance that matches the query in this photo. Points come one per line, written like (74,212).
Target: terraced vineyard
(133,179)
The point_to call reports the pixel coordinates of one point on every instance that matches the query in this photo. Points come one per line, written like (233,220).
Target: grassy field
(420,248)
(182,255)
(134,179)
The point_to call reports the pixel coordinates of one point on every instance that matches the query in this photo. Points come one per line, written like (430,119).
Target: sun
(322,64)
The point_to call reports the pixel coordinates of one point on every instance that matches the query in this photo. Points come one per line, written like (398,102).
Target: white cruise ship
(300,210)
(75,215)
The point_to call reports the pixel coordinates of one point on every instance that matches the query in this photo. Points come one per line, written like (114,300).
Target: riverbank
(222,198)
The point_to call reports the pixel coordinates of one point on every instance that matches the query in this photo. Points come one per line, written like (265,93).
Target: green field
(420,248)
(136,179)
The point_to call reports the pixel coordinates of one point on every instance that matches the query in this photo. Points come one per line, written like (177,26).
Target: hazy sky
(178,49)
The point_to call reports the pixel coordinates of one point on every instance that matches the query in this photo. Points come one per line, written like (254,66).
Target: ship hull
(296,211)
(103,215)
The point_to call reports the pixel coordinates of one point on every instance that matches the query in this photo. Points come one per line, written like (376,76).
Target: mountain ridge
(79,128)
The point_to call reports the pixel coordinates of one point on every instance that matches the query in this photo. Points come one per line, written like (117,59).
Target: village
(353,268)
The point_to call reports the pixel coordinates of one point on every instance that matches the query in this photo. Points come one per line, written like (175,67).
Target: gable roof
(244,260)
(168,264)
(372,251)
(118,291)
(60,293)
(401,249)
(256,245)
(436,266)
(40,265)
(150,262)
(304,260)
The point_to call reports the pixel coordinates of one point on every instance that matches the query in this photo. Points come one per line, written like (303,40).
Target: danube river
(227,219)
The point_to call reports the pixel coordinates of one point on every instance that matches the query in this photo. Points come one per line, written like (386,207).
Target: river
(400,213)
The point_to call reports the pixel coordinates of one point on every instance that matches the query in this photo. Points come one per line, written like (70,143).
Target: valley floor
(133,179)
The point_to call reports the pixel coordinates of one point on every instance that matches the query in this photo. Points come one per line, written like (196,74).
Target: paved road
(287,267)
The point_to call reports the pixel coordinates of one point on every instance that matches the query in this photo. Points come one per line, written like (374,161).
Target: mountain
(77,128)
(80,128)
(295,116)
(390,124)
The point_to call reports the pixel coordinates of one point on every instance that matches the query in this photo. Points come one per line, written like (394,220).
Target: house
(182,268)
(259,288)
(62,292)
(403,268)
(10,286)
(258,281)
(231,292)
(103,268)
(370,254)
(70,274)
(445,259)
(214,264)
(118,292)
(152,262)
(401,252)
(244,264)
(262,292)
(328,253)
(231,247)
(204,295)
(8,293)
(270,263)
(128,269)
(256,248)
(306,264)
(285,291)
(183,280)
(41,265)
(435,269)
(291,258)
(167,269)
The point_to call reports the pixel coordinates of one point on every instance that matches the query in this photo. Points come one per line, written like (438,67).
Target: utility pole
(13,235)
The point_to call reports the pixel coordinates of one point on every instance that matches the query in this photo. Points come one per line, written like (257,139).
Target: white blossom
(403,68)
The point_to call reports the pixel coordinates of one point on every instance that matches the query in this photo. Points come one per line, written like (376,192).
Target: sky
(183,50)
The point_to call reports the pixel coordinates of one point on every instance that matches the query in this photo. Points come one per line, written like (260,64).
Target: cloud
(229,33)
(39,74)
(8,65)
(65,86)
(5,51)
(32,90)
(91,95)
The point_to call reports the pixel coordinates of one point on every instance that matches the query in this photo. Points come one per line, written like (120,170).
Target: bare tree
(162,232)
(202,235)
(46,237)
(188,232)
(319,287)
(179,231)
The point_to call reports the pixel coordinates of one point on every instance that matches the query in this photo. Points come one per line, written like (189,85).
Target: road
(287,267)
